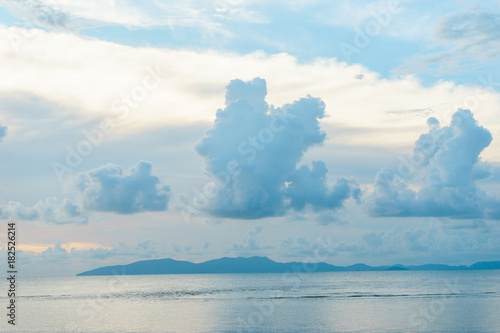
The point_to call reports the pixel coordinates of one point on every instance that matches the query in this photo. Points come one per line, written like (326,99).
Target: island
(259,265)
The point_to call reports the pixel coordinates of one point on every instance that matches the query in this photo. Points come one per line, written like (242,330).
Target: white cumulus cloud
(444,170)
(253,151)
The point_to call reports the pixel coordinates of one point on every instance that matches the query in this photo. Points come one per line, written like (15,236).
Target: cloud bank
(108,188)
(445,168)
(252,152)
(58,260)
(49,210)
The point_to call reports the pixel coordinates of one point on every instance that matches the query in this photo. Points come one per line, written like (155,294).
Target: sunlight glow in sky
(201,129)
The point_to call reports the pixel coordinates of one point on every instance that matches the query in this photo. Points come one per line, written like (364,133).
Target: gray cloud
(48,210)
(423,112)
(250,245)
(429,241)
(461,40)
(38,14)
(252,152)
(108,188)
(479,225)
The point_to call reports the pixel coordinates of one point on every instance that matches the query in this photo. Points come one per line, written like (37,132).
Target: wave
(243,294)
(368,295)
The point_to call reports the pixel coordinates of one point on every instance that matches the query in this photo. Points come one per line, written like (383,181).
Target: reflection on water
(396,301)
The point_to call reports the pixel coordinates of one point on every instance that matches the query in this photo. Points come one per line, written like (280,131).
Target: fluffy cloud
(308,186)
(366,104)
(444,168)
(111,189)
(108,188)
(253,150)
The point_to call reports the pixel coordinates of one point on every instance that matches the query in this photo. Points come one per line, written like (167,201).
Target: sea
(386,301)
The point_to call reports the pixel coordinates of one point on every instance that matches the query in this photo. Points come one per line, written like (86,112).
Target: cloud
(190,250)
(299,247)
(433,241)
(192,98)
(320,248)
(21,107)
(250,245)
(252,152)
(462,39)
(444,168)
(49,210)
(94,13)
(108,188)
(480,225)
(373,239)
(60,260)
(3,132)
(309,186)
(40,14)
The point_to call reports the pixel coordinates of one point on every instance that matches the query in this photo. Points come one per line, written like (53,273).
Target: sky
(201,129)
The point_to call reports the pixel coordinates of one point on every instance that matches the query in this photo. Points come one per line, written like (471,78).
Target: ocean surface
(392,301)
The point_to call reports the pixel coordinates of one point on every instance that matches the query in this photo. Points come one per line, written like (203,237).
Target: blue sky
(196,130)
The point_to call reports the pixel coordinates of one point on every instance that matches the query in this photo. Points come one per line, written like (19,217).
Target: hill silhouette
(258,265)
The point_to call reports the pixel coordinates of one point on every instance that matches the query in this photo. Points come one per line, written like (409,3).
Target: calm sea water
(398,301)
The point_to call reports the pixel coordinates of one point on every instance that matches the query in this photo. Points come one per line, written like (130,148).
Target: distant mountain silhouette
(397,268)
(258,265)
(486,265)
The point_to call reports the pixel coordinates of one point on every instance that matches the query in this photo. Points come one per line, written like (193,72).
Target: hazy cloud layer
(90,13)
(252,152)
(444,167)
(39,13)
(462,39)
(59,260)
(434,241)
(49,210)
